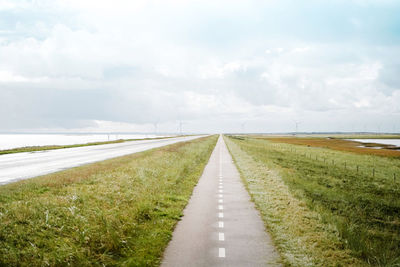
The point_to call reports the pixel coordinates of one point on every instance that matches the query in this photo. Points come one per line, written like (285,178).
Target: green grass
(119,212)
(52,147)
(355,210)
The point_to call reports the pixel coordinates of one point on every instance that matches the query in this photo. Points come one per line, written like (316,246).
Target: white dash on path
(220,187)
(221,253)
(221,224)
(220,207)
(220,201)
(221,237)
(220,195)
(220,215)
(221,191)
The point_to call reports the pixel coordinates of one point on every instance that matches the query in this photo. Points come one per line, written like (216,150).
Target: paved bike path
(220,226)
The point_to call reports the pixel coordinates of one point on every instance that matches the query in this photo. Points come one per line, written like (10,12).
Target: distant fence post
(373,172)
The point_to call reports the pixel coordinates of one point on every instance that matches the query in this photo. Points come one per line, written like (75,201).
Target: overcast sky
(216,66)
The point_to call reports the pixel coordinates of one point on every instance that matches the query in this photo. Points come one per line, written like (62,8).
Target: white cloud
(218,70)
(301,49)
(9,5)
(9,77)
(141,61)
(362,103)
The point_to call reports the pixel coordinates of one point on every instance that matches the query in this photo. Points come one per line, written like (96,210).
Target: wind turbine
(243,126)
(180,126)
(297,126)
(156,126)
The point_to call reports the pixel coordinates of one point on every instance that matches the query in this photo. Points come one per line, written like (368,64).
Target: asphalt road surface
(19,166)
(220,226)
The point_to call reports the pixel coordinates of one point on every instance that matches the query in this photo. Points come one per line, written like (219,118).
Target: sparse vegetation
(116,212)
(324,207)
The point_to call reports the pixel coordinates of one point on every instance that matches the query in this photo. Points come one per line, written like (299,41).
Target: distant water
(395,142)
(8,141)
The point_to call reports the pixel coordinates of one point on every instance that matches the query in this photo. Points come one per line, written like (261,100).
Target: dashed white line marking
(220,215)
(220,195)
(221,252)
(220,207)
(221,237)
(221,224)
(220,186)
(220,201)
(220,191)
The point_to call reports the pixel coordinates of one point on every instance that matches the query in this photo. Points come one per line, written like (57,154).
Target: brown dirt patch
(337,144)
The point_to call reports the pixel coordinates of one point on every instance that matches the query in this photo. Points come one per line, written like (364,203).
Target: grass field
(52,147)
(352,202)
(116,212)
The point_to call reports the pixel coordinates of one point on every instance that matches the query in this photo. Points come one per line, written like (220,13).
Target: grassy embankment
(116,212)
(319,208)
(52,147)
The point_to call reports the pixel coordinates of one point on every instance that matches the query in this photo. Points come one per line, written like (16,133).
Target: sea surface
(9,141)
(395,142)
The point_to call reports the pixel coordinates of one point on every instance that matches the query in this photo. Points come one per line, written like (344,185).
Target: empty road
(19,166)
(220,226)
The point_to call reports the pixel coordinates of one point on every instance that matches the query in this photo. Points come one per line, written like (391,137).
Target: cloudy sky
(214,66)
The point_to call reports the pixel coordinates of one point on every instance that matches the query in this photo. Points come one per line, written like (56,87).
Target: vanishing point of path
(220,226)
